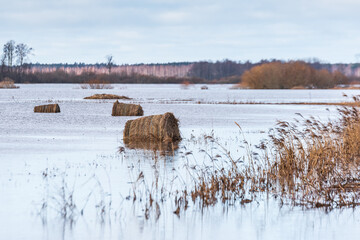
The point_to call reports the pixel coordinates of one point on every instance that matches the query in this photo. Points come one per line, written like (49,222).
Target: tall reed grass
(309,163)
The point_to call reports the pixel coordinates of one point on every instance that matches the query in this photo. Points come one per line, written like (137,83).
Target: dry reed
(319,166)
(50,108)
(124,109)
(309,163)
(162,128)
(8,83)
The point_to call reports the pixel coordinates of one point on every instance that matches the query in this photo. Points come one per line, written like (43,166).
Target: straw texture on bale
(107,96)
(50,108)
(156,127)
(124,109)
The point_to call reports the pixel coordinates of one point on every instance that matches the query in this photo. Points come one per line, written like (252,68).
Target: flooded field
(70,176)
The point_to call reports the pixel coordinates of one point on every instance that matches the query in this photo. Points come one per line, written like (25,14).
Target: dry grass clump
(319,166)
(50,108)
(8,83)
(163,128)
(124,109)
(107,96)
(96,84)
(309,163)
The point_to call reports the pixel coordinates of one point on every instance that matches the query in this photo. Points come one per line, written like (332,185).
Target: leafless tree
(2,62)
(109,62)
(22,51)
(9,52)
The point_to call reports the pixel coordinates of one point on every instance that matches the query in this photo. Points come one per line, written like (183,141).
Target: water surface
(79,146)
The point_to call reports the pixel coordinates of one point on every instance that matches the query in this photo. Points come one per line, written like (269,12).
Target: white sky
(151,31)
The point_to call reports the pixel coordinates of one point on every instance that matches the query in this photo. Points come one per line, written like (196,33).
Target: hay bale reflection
(164,148)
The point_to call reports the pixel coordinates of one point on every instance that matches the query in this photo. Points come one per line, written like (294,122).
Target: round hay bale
(124,109)
(50,108)
(164,128)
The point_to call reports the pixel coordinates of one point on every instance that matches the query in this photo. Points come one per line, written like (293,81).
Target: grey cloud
(171,30)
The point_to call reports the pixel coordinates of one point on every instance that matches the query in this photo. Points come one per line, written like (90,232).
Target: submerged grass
(107,96)
(349,103)
(96,84)
(306,163)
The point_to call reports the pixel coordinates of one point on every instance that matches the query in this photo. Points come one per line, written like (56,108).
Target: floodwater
(46,158)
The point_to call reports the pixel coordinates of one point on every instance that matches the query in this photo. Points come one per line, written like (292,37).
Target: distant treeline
(220,69)
(197,72)
(60,76)
(225,69)
(100,65)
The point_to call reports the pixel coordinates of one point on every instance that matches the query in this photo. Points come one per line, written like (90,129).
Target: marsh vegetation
(83,175)
(8,83)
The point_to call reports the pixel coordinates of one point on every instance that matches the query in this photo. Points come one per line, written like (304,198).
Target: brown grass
(50,108)
(107,96)
(162,128)
(308,163)
(355,104)
(124,109)
(319,166)
(8,83)
(96,84)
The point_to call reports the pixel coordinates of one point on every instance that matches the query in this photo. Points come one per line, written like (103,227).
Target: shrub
(279,75)
(8,83)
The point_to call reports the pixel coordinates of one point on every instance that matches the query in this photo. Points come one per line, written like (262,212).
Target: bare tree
(22,51)
(109,62)
(9,52)
(2,62)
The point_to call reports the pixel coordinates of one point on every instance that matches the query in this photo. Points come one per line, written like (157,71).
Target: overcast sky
(146,31)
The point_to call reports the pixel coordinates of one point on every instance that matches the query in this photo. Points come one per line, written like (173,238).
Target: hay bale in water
(124,109)
(50,108)
(107,96)
(154,128)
